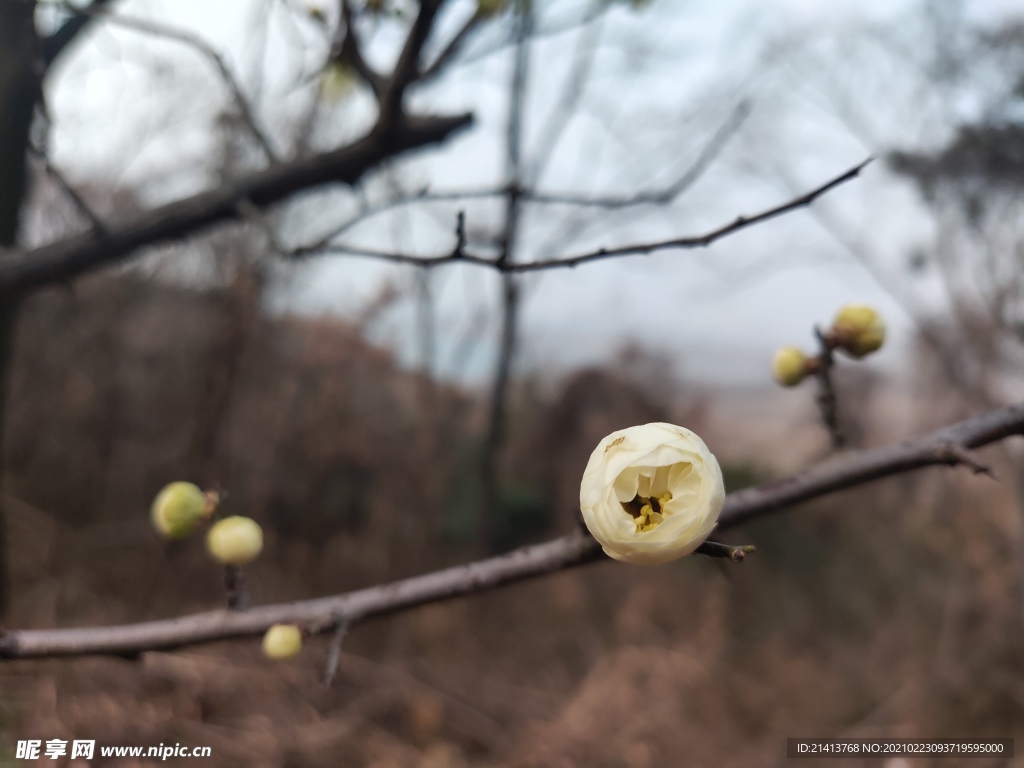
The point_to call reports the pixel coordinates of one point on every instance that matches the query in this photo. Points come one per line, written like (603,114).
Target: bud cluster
(180,508)
(857,330)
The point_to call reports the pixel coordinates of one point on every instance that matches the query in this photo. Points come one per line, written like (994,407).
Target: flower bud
(651,493)
(178,509)
(488,8)
(282,641)
(235,540)
(789,366)
(337,81)
(858,330)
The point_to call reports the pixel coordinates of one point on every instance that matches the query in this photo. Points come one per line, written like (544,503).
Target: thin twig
(663,196)
(406,68)
(202,47)
(494,439)
(98,227)
(957,455)
(826,397)
(334,652)
(452,49)
(844,470)
(692,241)
(72,29)
(347,49)
(256,218)
(728,551)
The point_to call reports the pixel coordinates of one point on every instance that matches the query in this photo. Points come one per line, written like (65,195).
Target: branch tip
(735,553)
(334,652)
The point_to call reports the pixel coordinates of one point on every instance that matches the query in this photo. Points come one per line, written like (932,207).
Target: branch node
(735,553)
(955,454)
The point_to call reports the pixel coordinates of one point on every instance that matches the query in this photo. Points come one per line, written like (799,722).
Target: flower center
(646,511)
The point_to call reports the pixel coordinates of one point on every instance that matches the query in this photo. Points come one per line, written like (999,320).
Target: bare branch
(741,222)
(694,241)
(407,66)
(494,438)
(826,397)
(65,259)
(99,228)
(566,103)
(54,45)
(540,31)
(663,196)
(648,197)
(200,45)
(334,653)
(943,447)
(728,551)
(452,49)
(348,50)
(369,211)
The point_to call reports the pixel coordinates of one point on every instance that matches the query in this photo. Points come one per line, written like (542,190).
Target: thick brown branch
(69,258)
(946,446)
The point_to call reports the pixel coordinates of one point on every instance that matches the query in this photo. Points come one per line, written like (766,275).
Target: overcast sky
(662,81)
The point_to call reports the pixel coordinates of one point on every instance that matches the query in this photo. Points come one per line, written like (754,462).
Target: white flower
(651,493)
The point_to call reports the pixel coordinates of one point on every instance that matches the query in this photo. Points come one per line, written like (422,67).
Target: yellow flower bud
(487,8)
(178,509)
(235,540)
(282,641)
(789,366)
(858,329)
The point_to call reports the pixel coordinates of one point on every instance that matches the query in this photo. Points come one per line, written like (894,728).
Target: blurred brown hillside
(892,610)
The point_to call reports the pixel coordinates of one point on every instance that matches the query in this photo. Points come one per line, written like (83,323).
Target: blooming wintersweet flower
(235,540)
(859,329)
(651,493)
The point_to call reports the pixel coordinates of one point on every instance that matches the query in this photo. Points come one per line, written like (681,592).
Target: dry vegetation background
(893,610)
(896,609)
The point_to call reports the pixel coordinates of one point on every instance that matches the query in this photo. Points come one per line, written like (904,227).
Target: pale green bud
(235,540)
(282,641)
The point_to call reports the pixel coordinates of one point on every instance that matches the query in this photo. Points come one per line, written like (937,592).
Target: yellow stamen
(651,511)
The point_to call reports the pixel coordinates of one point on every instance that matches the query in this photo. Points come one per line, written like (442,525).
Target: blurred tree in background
(150,331)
